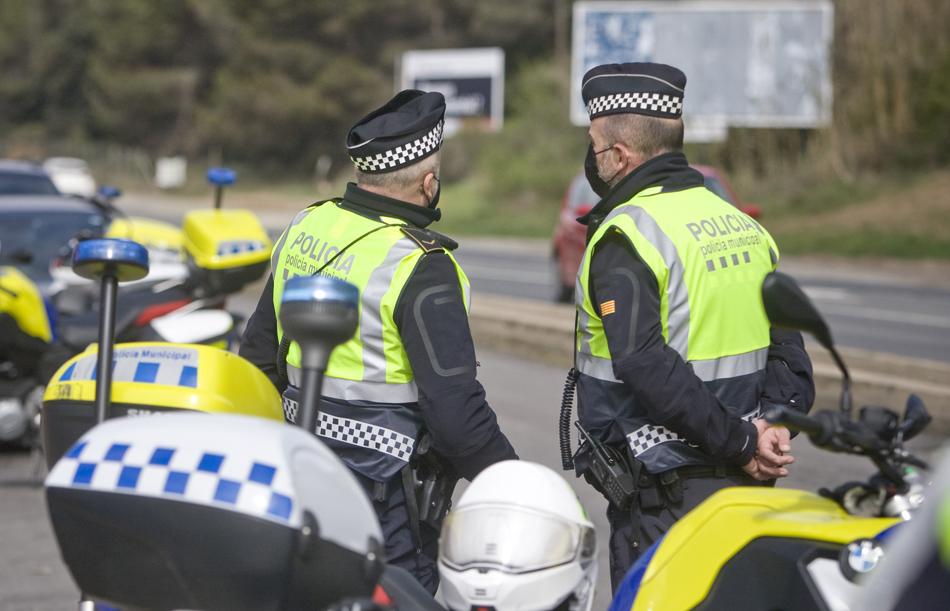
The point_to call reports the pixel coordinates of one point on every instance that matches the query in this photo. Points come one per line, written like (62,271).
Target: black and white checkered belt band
(649,436)
(358,433)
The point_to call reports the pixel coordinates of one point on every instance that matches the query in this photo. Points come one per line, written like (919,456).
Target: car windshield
(30,241)
(22,183)
(713,184)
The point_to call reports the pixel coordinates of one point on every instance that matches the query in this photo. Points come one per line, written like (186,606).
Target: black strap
(412,506)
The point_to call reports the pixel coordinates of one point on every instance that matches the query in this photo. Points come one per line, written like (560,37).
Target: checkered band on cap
(236,482)
(357,433)
(402,155)
(671,105)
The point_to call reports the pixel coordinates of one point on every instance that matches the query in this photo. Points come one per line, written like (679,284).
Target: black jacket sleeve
(433,324)
(259,342)
(659,378)
(789,377)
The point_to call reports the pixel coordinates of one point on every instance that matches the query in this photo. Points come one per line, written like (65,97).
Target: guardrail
(544,332)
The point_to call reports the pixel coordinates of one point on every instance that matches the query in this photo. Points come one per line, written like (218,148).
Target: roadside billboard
(748,64)
(472,81)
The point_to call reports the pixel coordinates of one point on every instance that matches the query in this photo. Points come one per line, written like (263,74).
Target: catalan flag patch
(608,307)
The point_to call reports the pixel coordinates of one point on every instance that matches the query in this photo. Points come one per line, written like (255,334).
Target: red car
(569,235)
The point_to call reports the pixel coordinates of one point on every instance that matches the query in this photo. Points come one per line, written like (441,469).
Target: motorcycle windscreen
(514,540)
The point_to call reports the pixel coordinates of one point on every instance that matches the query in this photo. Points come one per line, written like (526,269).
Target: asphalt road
(873,314)
(526,397)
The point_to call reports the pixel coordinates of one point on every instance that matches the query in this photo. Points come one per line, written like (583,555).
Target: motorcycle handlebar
(796,421)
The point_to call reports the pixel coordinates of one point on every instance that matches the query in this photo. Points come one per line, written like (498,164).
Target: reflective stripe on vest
(362,390)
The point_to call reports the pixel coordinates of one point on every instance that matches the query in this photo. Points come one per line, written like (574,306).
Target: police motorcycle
(224,251)
(207,499)
(216,253)
(773,548)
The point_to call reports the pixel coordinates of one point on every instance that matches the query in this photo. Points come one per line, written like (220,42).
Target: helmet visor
(511,539)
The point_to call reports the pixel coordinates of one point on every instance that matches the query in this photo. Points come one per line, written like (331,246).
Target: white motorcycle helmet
(519,540)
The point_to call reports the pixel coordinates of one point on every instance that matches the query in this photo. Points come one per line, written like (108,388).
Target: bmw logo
(860,557)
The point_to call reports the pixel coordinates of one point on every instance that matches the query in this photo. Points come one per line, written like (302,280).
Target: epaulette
(428,240)
(335,200)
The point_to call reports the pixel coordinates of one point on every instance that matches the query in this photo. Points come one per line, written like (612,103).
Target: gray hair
(649,136)
(402,179)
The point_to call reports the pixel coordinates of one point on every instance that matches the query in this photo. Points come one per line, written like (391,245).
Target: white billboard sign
(472,81)
(748,64)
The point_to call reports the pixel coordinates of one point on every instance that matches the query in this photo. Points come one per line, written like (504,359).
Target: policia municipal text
(401,405)
(674,353)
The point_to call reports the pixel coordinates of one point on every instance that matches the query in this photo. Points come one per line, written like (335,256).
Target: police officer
(405,385)
(674,352)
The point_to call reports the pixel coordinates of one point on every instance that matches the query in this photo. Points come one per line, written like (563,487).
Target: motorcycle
(226,509)
(224,251)
(773,548)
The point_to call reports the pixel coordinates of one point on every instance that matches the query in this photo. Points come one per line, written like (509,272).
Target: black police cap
(405,130)
(649,89)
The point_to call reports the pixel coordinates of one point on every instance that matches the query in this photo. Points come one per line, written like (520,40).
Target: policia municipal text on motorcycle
(674,353)
(401,405)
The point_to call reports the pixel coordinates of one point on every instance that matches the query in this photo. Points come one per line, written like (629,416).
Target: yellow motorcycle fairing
(168,376)
(21,300)
(692,554)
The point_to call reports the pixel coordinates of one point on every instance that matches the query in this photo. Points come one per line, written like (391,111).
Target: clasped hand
(772,452)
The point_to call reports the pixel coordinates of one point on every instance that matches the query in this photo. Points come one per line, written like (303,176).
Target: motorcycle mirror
(221,178)
(916,417)
(787,305)
(319,313)
(880,420)
(110,261)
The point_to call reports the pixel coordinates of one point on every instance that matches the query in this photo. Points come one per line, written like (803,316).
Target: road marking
(925,320)
(822,293)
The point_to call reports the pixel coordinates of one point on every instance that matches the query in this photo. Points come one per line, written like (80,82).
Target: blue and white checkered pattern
(234,482)
(663,103)
(401,155)
(167,366)
(239,247)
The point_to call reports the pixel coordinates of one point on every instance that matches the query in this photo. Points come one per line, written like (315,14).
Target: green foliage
(539,151)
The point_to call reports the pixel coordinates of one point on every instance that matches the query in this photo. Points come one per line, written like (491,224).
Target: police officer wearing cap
(401,405)
(674,353)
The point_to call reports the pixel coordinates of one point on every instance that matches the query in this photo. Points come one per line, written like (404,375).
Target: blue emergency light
(320,289)
(125,259)
(222,177)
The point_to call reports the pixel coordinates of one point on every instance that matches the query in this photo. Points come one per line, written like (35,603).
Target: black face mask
(598,184)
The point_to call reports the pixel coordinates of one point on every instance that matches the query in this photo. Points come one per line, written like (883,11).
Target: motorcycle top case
(210,512)
(150,378)
(21,301)
(154,235)
(748,548)
(226,249)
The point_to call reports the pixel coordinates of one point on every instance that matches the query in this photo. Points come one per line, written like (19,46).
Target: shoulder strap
(428,240)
